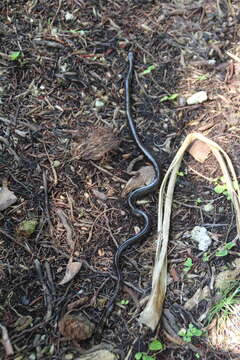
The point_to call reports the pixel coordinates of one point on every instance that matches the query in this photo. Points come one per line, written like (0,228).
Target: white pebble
(99,103)
(208,207)
(200,235)
(197,98)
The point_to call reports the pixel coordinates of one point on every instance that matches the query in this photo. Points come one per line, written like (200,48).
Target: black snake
(134,195)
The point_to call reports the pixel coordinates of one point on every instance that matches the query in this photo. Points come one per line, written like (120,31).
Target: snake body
(136,194)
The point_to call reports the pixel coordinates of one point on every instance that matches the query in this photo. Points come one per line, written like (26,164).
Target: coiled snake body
(136,194)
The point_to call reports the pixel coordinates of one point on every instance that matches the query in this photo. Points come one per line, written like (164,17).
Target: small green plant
(202,77)
(225,250)
(148,70)
(206,257)
(169,97)
(221,187)
(188,265)
(156,345)
(80,32)
(187,334)
(124,302)
(198,201)
(153,346)
(143,356)
(181,173)
(15,55)
(230,297)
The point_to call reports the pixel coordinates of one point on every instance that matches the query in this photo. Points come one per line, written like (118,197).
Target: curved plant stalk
(151,314)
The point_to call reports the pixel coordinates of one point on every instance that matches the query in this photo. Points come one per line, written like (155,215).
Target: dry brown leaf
(7,197)
(68,228)
(143,176)
(76,327)
(99,195)
(72,269)
(224,277)
(199,295)
(94,142)
(98,355)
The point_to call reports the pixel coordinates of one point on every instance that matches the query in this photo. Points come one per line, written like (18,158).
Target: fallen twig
(6,341)
(68,228)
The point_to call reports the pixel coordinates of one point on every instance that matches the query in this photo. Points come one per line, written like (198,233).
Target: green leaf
(182,332)
(219,189)
(155,345)
(198,201)
(229,245)
(148,70)
(164,98)
(124,302)
(173,97)
(147,357)
(196,332)
(206,257)
(15,55)
(202,77)
(138,355)
(188,262)
(180,173)
(81,32)
(169,97)
(222,252)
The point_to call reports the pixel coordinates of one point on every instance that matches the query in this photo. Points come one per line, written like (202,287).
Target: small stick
(46,202)
(6,341)
(114,177)
(63,219)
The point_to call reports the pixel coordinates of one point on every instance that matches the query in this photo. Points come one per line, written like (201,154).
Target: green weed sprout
(187,334)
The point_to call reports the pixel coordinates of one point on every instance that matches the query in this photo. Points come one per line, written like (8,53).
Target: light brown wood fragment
(199,150)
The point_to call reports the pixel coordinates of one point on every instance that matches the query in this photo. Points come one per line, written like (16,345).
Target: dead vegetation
(64,156)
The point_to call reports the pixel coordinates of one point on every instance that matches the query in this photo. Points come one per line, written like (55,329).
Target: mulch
(62,70)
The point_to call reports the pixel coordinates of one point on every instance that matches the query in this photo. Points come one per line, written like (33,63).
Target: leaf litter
(48,96)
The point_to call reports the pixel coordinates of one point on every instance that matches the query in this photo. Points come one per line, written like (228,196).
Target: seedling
(169,97)
(124,302)
(230,297)
(225,250)
(202,77)
(16,55)
(187,334)
(181,173)
(221,187)
(148,70)
(188,265)
(143,356)
(153,346)
(206,257)
(80,32)
(156,345)
(198,201)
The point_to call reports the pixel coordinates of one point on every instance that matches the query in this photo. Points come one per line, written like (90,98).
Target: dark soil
(68,77)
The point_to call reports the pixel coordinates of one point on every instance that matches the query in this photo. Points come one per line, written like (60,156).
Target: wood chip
(199,150)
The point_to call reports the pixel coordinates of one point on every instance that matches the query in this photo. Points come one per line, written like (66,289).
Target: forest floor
(62,70)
